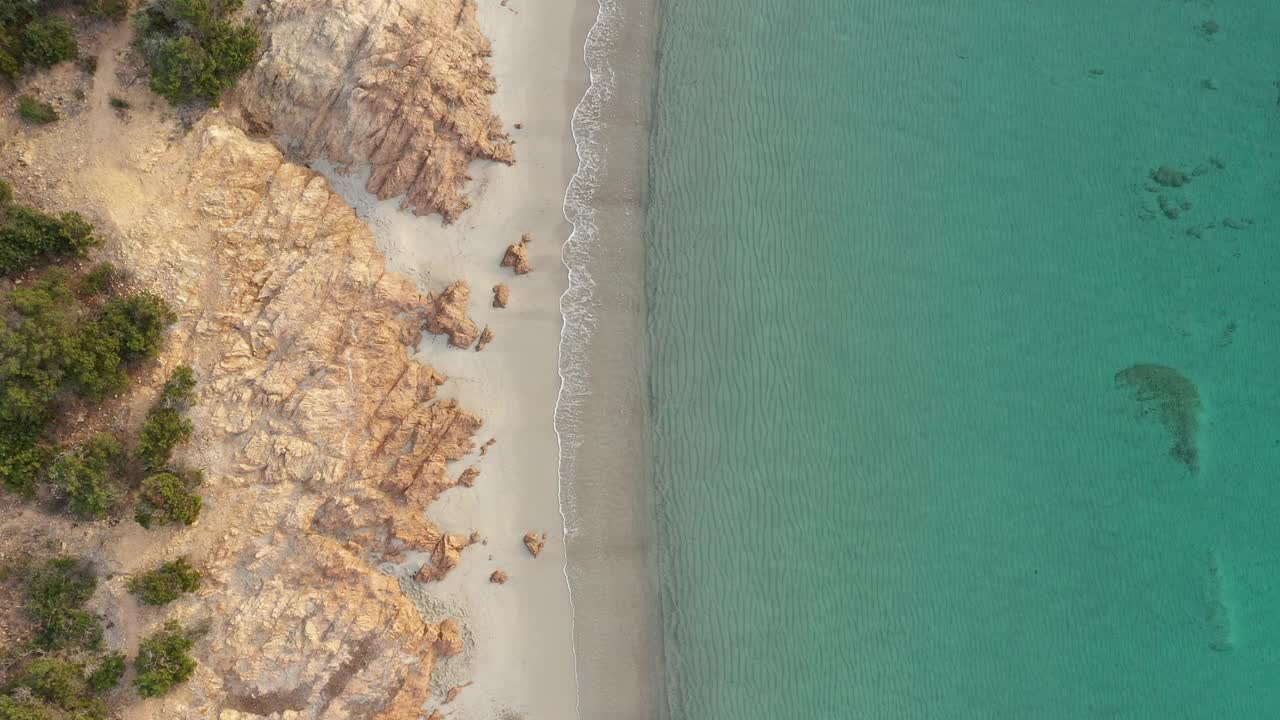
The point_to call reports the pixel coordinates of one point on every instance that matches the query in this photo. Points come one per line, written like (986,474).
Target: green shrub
(166,499)
(178,392)
(166,583)
(100,279)
(119,103)
(60,681)
(36,112)
(9,68)
(110,9)
(107,673)
(164,660)
(193,51)
(85,476)
(48,41)
(137,322)
(181,71)
(21,466)
(55,345)
(163,430)
(55,681)
(31,35)
(6,191)
(33,346)
(55,594)
(165,427)
(11,709)
(28,235)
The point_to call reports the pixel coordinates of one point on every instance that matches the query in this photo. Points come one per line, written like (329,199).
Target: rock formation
(498,577)
(445,556)
(321,438)
(486,337)
(501,295)
(449,316)
(469,476)
(516,257)
(448,639)
(402,86)
(534,543)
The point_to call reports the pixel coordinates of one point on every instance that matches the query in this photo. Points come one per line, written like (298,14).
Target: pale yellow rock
(517,256)
(448,316)
(534,543)
(402,86)
(321,438)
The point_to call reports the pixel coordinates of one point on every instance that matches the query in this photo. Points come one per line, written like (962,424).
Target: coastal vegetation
(29,236)
(85,476)
(166,583)
(58,346)
(165,427)
(64,672)
(55,594)
(193,49)
(70,338)
(164,660)
(38,34)
(169,499)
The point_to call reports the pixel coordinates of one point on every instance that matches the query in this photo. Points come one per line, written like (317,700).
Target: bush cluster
(86,476)
(29,236)
(193,49)
(164,660)
(166,583)
(64,672)
(56,345)
(163,430)
(31,35)
(55,596)
(168,499)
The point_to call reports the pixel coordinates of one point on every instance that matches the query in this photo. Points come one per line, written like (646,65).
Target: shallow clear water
(898,254)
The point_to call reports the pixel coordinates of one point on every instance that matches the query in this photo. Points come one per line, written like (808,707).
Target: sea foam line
(577,320)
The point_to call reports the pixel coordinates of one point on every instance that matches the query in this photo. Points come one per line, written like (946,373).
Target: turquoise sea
(964,374)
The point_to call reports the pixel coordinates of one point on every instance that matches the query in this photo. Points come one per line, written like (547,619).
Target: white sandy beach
(521,655)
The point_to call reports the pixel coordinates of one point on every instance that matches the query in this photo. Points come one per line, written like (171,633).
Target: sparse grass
(35,111)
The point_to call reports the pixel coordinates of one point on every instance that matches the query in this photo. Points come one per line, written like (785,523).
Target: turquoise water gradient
(899,251)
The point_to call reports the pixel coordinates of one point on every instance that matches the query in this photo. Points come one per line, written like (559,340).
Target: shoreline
(568,635)
(602,413)
(520,646)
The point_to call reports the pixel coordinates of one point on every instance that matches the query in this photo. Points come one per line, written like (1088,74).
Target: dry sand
(520,657)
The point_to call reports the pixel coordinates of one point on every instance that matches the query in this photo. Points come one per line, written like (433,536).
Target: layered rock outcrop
(448,315)
(517,256)
(322,440)
(403,86)
(334,439)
